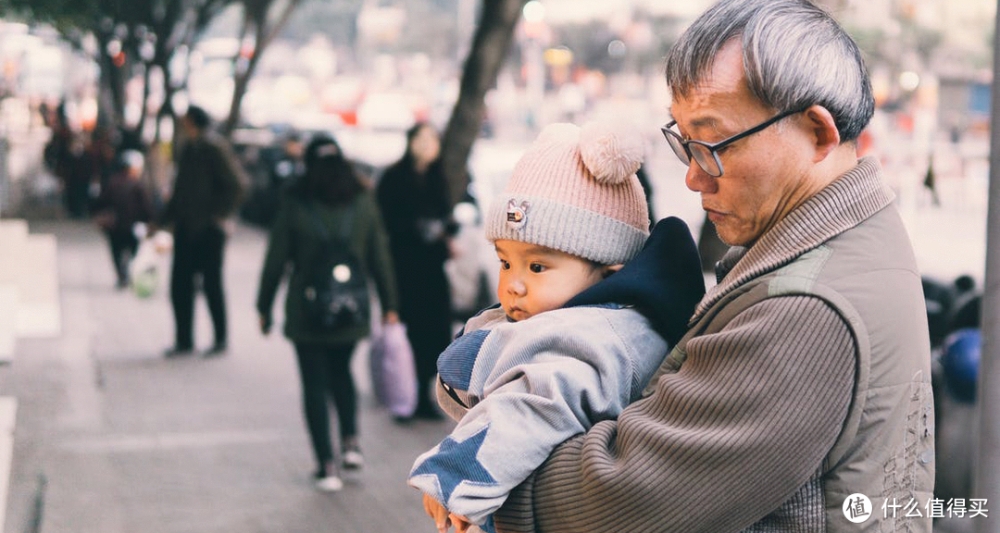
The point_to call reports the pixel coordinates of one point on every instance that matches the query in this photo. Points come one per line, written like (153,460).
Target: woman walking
(328,206)
(413,198)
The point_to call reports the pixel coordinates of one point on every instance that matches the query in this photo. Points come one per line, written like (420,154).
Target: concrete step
(29,286)
(8,411)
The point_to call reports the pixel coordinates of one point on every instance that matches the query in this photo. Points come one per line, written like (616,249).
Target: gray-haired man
(800,398)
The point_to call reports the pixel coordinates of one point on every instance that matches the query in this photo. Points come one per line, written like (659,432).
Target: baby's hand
(461,523)
(437,512)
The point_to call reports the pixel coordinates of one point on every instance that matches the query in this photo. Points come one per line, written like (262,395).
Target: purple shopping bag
(394,374)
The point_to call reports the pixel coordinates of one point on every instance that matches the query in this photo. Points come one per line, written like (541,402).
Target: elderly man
(800,398)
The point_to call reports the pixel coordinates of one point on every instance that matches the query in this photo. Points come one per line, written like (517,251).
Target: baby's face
(535,279)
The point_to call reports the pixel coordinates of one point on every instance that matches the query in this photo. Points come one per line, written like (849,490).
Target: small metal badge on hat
(517,214)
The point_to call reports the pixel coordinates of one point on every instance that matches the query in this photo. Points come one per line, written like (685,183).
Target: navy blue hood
(664,281)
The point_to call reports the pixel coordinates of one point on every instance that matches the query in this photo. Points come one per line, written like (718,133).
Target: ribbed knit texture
(742,429)
(565,208)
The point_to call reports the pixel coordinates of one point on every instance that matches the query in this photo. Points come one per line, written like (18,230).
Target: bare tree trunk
(111,86)
(489,50)
(256,19)
(146,90)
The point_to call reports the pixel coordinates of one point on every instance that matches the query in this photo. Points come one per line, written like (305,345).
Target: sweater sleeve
(744,423)
(541,387)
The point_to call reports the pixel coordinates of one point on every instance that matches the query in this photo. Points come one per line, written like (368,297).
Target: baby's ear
(610,269)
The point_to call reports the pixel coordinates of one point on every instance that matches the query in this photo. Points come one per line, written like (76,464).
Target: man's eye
(504,265)
(536,268)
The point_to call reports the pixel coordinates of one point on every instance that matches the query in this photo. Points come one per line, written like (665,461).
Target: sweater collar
(848,201)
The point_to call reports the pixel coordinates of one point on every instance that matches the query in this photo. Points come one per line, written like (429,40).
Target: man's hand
(265,324)
(438,513)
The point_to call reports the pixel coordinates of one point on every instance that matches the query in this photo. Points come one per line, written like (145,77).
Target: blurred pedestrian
(78,171)
(647,189)
(930,182)
(206,193)
(123,203)
(328,200)
(413,198)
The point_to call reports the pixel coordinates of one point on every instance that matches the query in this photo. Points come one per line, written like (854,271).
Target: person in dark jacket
(413,198)
(331,192)
(123,202)
(207,191)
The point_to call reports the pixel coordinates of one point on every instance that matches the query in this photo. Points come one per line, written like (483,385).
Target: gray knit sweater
(738,431)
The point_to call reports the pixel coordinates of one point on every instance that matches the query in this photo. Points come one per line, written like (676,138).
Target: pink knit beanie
(575,190)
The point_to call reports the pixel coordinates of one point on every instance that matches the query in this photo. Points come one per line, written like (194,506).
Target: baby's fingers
(461,523)
(437,512)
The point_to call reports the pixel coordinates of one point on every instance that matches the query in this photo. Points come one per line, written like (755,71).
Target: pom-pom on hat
(575,190)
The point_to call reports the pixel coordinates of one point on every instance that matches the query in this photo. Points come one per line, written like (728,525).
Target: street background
(111,437)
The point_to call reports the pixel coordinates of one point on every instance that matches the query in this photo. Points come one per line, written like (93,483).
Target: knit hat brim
(579,232)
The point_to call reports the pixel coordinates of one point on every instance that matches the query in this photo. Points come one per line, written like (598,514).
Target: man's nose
(698,180)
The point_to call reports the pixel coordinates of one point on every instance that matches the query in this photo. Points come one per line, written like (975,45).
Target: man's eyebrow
(699,122)
(705,121)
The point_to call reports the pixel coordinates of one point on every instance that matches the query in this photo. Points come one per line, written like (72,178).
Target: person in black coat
(413,198)
(123,202)
(207,191)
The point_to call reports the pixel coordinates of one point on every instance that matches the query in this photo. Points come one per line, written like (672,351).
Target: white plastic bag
(394,374)
(144,271)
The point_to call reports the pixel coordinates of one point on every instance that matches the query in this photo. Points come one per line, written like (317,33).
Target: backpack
(336,290)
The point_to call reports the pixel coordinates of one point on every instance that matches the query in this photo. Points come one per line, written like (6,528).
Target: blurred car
(386,111)
(258,149)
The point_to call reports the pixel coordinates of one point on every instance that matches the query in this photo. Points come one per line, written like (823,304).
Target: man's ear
(610,269)
(825,136)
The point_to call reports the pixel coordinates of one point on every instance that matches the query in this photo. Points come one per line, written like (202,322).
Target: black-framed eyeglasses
(705,153)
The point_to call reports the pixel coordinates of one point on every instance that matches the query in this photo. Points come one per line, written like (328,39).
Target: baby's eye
(537,268)
(504,265)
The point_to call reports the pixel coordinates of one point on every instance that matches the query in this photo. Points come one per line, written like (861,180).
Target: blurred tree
(132,37)
(336,20)
(490,46)
(262,22)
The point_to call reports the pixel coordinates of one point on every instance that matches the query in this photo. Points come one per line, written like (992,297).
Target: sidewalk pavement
(111,437)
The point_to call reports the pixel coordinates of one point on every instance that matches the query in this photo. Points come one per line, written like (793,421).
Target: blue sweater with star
(518,389)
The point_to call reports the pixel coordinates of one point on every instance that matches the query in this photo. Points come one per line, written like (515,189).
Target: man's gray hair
(794,55)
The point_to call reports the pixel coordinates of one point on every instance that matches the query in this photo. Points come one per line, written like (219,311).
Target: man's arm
(744,423)
(544,385)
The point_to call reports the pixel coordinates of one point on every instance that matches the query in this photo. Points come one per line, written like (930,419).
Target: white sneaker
(329,484)
(353,459)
